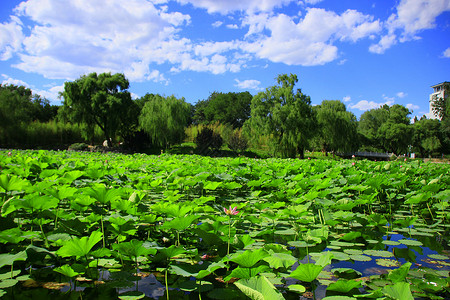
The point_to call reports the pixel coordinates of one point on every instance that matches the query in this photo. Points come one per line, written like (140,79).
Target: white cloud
(385,43)
(411,17)
(11,81)
(412,107)
(309,41)
(250,84)
(72,38)
(10,38)
(446,53)
(232,26)
(364,105)
(217,24)
(225,7)
(347,99)
(401,94)
(313,2)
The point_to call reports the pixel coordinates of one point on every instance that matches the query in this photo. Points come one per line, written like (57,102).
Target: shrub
(207,139)
(79,147)
(237,142)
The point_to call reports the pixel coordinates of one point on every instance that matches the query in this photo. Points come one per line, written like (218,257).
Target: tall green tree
(285,115)
(336,126)
(226,108)
(165,119)
(427,136)
(101,100)
(441,108)
(386,128)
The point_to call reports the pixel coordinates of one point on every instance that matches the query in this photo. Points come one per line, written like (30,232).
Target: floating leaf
(298,288)
(278,260)
(384,262)
(408,242)
(131,295)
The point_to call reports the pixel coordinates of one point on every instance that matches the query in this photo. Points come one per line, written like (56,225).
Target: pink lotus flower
(9,153)
(353,163)
(231,211)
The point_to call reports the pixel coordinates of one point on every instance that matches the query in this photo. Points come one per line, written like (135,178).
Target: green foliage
(286,116)
(259,288)
(387,128)
(164,119)
(427,136)
(337,127)
(79,147)
(101,100)
(208,139)
(226,108)
(237,141)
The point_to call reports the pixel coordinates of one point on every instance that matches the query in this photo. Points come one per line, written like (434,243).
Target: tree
(227,108)
(397,131)
(207,139)
(286,116)
(165,119)
(386,128)
(368,127)
(101,100)
(426,138)
(337,126)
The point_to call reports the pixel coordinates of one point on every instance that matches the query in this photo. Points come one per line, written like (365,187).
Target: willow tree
(285,115)
(337,127)
(101,100)
(164,119)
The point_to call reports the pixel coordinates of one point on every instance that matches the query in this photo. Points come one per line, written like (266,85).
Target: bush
(79,147)
(237,142)
(208,139)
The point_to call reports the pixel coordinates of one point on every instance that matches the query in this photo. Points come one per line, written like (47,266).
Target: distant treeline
(279,120)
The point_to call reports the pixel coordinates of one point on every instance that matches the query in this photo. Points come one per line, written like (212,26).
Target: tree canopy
(164,119)
(336,127)
(285,115)
(225,108)
(101,100)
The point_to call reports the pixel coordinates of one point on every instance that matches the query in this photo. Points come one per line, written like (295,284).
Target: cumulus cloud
(249,84)
(309,41)
(11,37)
(410,18)
(364,105)
(401,94)
(412,107)
(225,7)
(347,99)
(446,53)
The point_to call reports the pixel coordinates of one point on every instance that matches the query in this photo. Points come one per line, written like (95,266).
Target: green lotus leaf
(279,260)
(66,270)
(298,288)
(384,262)
(399,274)
(398,291)
(131,295)
(408,242)
(344,286)
(378,253)
(249,258)
(306,272)
(80,247)
(259,288)
(357,257)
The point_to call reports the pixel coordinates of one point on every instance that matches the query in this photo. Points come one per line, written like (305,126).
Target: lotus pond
(107,226)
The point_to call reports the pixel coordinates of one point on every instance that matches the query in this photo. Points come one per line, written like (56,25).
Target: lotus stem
(167,285)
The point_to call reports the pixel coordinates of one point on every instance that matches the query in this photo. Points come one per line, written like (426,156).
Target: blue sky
(364,53)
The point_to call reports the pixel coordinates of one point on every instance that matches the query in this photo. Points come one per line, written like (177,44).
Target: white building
(438,92)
